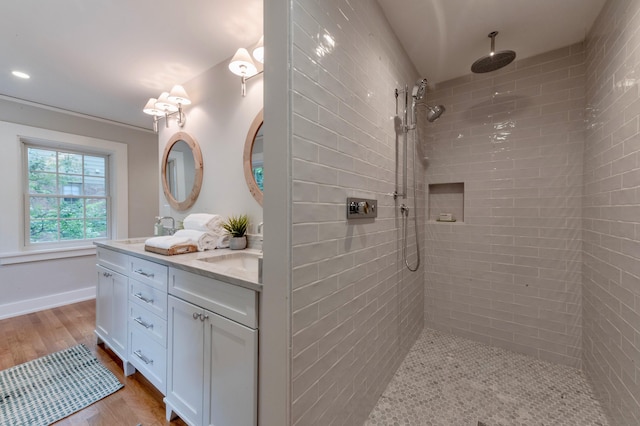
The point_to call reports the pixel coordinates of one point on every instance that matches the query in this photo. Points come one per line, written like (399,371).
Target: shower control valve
(361,208)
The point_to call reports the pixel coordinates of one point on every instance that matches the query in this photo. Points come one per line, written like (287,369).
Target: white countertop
(189,262)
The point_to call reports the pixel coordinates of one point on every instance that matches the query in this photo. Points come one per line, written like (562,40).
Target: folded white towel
(167,242)
(204,222)
(204,240)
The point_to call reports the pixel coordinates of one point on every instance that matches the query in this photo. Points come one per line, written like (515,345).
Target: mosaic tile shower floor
(451,381)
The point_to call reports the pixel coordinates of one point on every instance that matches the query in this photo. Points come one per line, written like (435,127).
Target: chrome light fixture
(167,105)
(242,65)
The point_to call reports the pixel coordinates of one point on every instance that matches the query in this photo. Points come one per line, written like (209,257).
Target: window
(67,196)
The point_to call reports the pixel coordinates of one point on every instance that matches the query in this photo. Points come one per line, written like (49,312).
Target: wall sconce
(166,105)
(241,64)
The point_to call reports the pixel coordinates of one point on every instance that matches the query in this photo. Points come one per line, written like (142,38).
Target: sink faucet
(260,229)
(171,230)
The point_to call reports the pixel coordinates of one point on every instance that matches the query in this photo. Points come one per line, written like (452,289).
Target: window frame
(58,148)
(12,248)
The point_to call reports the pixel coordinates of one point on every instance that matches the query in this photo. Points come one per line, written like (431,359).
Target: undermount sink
(241,261)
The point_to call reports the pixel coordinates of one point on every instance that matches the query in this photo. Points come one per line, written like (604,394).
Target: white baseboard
(52,301)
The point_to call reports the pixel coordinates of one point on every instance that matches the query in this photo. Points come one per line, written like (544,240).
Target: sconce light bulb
(179,96)
(165,104)
(241,64)
(150,108)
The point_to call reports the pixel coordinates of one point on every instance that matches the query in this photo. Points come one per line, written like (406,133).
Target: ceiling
(444,37)
(106,58)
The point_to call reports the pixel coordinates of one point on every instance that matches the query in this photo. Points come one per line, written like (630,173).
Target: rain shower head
(434,112)
(495,60)
(419,89)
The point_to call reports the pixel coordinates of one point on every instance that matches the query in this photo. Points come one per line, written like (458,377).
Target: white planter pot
(238,243)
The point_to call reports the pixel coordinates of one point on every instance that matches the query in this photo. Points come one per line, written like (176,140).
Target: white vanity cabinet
(111,303)
(131,312)
(212,351)
(192,335)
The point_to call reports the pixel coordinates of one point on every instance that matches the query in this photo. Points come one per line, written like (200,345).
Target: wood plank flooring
(34,335)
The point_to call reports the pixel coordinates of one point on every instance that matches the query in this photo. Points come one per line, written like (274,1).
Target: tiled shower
(507,272)
(544,258)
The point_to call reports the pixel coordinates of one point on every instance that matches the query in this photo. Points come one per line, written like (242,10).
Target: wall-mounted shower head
(419,89)
(434,112)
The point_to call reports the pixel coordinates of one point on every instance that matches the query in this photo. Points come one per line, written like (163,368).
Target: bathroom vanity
(188,323)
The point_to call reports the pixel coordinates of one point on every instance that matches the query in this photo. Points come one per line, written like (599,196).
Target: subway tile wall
(355,309)
(611,213)
(510,274)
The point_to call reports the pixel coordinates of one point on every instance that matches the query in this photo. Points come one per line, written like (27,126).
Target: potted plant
(236,226)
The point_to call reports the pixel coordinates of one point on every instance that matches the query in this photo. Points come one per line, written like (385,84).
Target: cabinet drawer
(230,301)
(113,260)
(148,272)
(151,298)
(148,323)
(150,358)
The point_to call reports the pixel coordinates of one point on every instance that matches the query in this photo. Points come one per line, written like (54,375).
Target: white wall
(219,119)
(611,211)
(275,302)
(27,287)
(355,309)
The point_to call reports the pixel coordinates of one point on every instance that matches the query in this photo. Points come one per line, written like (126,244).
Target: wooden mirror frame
(197,182)
(254,189)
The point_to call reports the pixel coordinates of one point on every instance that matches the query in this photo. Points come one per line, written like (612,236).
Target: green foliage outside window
(67,196)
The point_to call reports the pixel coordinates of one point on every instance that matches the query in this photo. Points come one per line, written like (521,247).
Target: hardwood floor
(33,335)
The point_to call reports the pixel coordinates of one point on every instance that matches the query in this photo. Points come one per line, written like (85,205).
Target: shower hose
(405,211)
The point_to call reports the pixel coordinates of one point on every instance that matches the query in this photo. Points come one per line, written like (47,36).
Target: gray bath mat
(47,389)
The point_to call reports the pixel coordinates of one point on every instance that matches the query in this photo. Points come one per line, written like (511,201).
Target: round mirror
(182,171)
(253,158)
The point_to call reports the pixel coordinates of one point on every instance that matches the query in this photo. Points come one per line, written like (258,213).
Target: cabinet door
(120,315)
(111,313)
(230,394)
(111,310)
(185,361)
(104,295)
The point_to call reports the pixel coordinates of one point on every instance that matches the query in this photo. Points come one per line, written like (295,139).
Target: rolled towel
(167,242)
(204,240)
(204,222)
(223,241)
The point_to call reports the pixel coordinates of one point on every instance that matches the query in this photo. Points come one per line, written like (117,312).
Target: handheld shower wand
(416,95)
(404,125)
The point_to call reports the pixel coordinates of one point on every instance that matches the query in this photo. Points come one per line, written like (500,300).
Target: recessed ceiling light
(20,74)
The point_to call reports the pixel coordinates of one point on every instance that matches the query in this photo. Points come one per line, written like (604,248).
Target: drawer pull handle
(144,299)
(107,274)
(144,359)
(142,323)
(143,273)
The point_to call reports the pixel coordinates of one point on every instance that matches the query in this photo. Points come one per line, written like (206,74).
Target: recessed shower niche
(446,199)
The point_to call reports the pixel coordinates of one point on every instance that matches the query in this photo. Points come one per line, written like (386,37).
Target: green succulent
(236,225)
